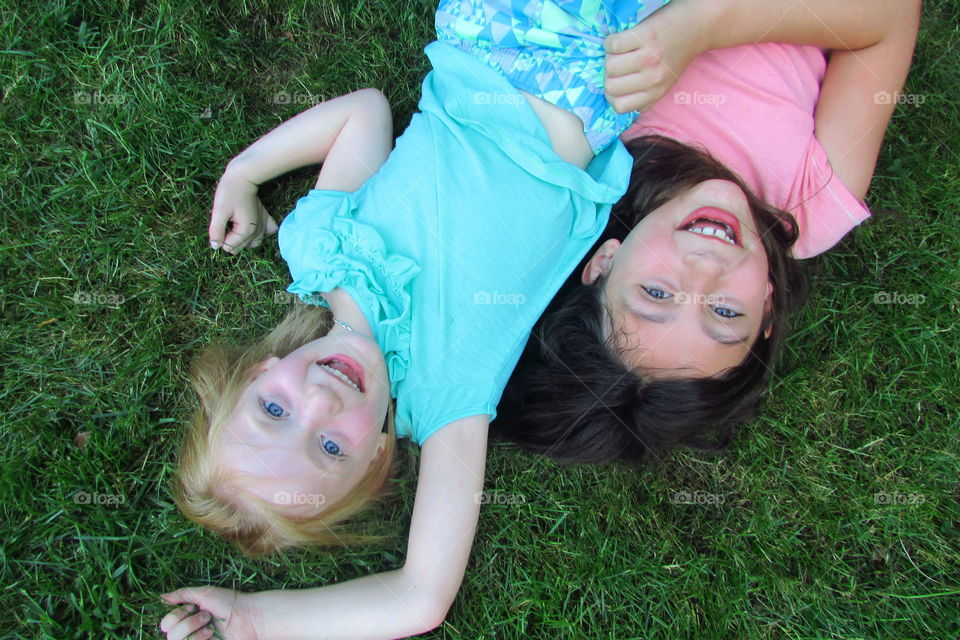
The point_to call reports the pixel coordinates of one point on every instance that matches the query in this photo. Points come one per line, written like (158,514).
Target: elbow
(432,610)
(907,19)
(373,111)
(373,100)
(911,9)
(429,600)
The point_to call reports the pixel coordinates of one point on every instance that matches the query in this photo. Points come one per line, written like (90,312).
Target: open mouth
(713,223)
(344,369)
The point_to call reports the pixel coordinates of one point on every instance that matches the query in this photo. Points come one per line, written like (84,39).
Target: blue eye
(272,409)
(724,312)
(331,447)
(659,294)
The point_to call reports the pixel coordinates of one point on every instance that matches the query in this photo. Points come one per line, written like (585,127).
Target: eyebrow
(711,332)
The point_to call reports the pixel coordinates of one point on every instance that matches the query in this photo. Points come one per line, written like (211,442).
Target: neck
(346,310)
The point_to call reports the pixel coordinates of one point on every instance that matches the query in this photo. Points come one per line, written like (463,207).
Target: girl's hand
(204,611)
(645,61)
(236,204)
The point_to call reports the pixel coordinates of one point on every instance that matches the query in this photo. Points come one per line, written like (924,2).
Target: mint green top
(457,244)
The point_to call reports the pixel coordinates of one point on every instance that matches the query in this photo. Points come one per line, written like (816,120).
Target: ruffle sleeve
(326,247)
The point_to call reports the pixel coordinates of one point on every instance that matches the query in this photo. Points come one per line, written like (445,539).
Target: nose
(320,404)
(704,261)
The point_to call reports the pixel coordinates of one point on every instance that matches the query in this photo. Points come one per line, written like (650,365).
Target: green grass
(117,119)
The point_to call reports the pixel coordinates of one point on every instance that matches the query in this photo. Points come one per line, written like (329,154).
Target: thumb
(218,228)
(182,596)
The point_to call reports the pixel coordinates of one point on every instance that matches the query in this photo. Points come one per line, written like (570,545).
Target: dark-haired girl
(756,156)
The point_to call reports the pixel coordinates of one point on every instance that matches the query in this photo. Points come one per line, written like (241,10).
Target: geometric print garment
(552,49)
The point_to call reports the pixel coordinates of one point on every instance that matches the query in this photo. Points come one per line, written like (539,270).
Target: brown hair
(572,396)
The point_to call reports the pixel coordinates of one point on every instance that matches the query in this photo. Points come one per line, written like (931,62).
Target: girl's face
(688,288)
(307,427)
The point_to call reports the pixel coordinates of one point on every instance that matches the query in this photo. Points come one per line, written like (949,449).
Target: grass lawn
(835,515)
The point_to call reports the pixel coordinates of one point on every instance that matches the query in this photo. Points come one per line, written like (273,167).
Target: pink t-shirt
(752,109)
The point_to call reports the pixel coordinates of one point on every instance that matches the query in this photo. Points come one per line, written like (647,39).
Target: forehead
(279,476)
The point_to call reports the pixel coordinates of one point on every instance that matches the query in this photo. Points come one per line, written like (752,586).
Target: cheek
(655,259)
(367,421)
(752,280)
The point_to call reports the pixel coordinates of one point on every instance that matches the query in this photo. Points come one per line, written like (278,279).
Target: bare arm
(396,604)
(416,598)
(645,61)
(828,24)
(872,43)
(350,135)
(858,96)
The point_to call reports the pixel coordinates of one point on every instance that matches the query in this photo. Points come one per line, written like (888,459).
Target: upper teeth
(716,233)
(340,375)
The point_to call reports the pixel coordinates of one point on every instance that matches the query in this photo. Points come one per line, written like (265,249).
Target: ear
(381,444)
(768,310)
(264,366)
(601,262)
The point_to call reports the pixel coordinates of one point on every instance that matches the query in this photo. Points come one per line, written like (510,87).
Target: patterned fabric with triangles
(552,49)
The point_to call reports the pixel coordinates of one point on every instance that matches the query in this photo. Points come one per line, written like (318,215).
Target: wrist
(239,173)
(258,612)
(714,18)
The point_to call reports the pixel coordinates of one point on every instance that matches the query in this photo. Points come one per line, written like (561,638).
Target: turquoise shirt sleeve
(326,246)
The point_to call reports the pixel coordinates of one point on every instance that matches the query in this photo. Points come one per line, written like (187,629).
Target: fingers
(245,230)
(181,623)
(627,63)
(218,227)
(239,237)
(269,229)
(624,41)
(245,234)
(177,615)
(631,93)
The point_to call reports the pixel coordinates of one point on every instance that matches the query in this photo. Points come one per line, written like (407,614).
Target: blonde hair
(215,499)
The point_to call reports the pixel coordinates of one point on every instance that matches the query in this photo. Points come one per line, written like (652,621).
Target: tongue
(345,369)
